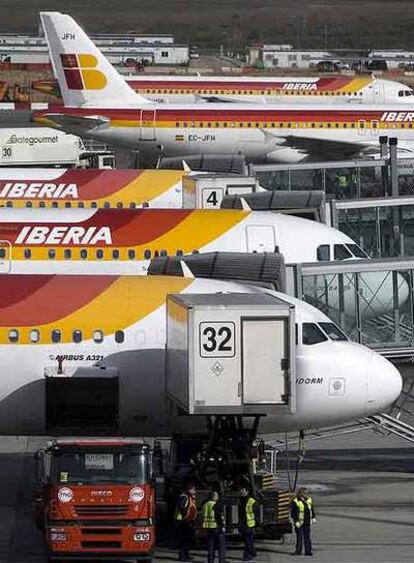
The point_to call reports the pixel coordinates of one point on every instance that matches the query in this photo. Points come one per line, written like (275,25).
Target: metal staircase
(386,424)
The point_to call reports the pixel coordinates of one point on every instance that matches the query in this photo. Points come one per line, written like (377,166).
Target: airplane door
(265,361)
(260,238)
(378,92)
(147,125)
(5,256)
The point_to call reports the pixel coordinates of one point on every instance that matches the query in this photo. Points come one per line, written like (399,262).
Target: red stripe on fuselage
(128,226)
(228,115)
(36,300)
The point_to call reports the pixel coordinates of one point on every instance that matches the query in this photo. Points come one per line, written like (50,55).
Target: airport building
(154,49)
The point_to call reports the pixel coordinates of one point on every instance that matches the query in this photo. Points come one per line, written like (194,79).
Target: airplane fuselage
(260,134)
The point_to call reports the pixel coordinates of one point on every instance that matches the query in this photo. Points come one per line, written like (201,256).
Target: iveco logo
(100,493)
(39,190)
(64,235)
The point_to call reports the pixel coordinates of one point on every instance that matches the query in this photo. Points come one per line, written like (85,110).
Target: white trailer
(44,147)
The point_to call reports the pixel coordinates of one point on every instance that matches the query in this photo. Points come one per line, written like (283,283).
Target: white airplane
(122,241)
(100,104)
(258,89)
(60,324)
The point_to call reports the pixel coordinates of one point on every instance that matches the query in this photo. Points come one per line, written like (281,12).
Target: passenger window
(34,335)
(323,253)
(312,334)
(163,253)
(132,205)
(3,252)
(341,252)
(77,336)
(27,253)
(333,332)
(81,205)
(29,204)
(119,205)
(119,336)
(68,204)
(115,254)
(67,254)
(106,205)
(13,335)
(51,253)
(83,253)
(55,204)
(94,205)
(99,253)
(56,336)
(131,254)
(98,336)
(357,251)
(147,254)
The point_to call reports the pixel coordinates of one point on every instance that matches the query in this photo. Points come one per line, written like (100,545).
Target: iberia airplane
(275,89)
(122,241)
(56,187)
(99,103)
(54,326)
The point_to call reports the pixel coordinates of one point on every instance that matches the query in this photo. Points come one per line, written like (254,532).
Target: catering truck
(95,499)
(43,147)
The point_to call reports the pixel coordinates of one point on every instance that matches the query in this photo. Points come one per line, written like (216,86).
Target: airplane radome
(108,109)
(61,322)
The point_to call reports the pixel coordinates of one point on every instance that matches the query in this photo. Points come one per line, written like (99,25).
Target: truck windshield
(100,467)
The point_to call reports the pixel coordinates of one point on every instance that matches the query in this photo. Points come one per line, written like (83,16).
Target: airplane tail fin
(86,77)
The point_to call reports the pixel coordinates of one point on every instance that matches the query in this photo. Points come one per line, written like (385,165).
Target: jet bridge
(371,300)
(383,227)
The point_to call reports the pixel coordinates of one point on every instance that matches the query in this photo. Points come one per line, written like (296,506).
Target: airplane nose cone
(384,384)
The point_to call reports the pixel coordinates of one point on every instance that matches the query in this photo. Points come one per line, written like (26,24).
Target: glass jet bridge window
(312,334)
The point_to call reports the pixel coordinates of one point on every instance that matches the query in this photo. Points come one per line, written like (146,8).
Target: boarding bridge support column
(384,170)
(395,193)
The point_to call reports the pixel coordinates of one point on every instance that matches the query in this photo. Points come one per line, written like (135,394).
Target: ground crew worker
(185,515)
(302,513)
(247,522)
(213,522)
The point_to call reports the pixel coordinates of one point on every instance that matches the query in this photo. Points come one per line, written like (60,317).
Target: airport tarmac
(364,500)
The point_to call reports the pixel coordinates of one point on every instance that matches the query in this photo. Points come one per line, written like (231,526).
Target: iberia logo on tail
(81,74)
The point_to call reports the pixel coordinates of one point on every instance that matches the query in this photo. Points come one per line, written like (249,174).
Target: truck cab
(96,499)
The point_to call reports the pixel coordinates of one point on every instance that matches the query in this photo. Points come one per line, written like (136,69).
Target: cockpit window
(312,334)
(341,252)
(357,251)
(323,253)
(333,332)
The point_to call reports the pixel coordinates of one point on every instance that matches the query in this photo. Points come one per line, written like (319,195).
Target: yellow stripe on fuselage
(126,302)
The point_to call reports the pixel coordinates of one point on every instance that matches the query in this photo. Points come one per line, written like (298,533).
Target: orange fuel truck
(96,499)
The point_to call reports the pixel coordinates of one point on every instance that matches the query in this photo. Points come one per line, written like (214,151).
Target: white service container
(231,353)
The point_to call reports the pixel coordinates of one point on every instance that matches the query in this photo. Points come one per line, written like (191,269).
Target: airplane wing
(75,124)
(326,148)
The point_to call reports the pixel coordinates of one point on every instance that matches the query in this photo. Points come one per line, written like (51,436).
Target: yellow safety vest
(250,519)
(301,507)
(209,518)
